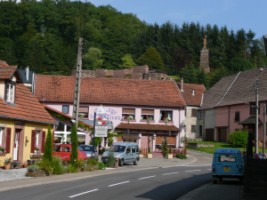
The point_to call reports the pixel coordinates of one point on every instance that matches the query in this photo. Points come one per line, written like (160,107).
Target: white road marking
(195,170)
(119,183)
(147,177)
(209,169)
(82,193)
(170,173)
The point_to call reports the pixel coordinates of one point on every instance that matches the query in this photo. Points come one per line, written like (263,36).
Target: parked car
(90,150)
(125,152)
(227,163)
(64,150)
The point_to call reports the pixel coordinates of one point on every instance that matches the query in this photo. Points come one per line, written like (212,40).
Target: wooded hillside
(44,35)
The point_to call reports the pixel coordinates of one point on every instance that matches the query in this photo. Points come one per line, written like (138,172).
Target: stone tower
(204,56)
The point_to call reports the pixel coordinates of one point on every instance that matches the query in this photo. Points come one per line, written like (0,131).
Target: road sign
(101,131)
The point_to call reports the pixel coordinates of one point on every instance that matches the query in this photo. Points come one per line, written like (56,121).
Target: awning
(147,127)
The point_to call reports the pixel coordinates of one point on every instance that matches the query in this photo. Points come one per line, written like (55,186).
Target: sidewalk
(222,191)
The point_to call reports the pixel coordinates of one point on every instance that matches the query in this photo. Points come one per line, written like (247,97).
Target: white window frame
(37,138)
(1,136)
(10,92)
(67,107)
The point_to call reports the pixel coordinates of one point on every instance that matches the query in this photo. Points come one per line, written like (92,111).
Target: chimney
(182,85)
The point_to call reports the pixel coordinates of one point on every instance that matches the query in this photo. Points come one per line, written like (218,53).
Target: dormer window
(10,92)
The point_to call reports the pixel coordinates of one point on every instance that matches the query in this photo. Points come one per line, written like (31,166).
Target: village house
(24,121)
(232,101)
(193,95)
(145,111)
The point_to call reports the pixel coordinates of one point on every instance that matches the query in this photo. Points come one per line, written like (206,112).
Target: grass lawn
(209,147)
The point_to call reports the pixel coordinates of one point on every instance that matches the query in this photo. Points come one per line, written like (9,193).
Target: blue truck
(227,163)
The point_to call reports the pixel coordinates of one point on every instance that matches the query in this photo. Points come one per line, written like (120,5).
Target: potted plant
(7,163)
(149,153)
(2,149)
(36,149)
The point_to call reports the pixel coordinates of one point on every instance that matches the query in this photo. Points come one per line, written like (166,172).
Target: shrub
(165,149)
(238,138)
(71,168)
(48,151)
(111,160)
(91,164)
(181,155)
(33,168)
(80,165)
(52,167)
(101,165)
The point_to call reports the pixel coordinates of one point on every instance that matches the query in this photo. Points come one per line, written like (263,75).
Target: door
(128,155)
(16,144)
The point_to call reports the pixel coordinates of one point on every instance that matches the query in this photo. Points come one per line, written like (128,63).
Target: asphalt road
(155,184)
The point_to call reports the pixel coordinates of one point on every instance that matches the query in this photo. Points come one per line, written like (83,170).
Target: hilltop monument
(204,56)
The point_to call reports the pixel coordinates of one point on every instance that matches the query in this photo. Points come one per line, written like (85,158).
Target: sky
(234,14)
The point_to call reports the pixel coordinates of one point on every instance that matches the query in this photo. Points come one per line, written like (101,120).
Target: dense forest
(44,36)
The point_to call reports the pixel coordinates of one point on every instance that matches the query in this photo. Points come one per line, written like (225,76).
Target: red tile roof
(6,71)
(157,93)
(193,93)
(26,108)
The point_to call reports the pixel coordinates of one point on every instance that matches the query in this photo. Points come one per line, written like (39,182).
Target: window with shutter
(33,142)
(8,140)
(128,114)
(43,142)
(147,114)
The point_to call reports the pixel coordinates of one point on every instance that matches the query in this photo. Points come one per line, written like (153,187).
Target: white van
(125,152)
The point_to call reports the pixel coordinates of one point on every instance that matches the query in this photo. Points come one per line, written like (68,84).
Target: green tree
(238,64)
(48,150)
(238,138)
(127,61)
(93,59)
(151,58)
(74,145)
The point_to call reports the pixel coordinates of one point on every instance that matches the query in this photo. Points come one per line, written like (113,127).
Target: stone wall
(139,72)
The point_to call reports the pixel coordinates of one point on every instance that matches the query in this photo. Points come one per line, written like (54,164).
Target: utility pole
(76,102)
(257,83)
(264,128)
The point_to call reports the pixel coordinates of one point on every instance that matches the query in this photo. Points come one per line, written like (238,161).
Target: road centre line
(147,177)
(170,173)
(82,193)
(119,183)
(194,170)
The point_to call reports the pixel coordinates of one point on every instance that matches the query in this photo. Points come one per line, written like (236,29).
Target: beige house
(23,120)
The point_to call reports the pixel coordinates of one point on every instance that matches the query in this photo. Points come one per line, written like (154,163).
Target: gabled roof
(26,108)
(65,117)
(237,89)
(157,93)
(193,93)
(213,96)
(6,71)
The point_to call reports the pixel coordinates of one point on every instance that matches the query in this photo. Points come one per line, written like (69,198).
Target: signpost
(99,131)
